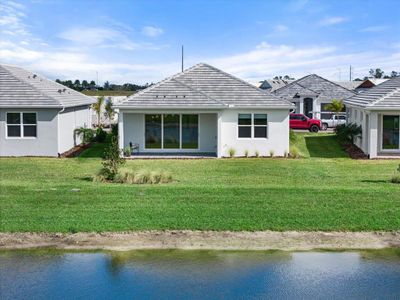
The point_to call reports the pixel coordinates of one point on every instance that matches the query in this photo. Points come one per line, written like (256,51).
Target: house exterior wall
(45,144)
(277,140)
(68,121)
(133,126)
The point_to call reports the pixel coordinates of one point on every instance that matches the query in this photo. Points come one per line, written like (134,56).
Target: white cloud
(12,17)
(281,28)
(332,21)
(378,28)
(152,31)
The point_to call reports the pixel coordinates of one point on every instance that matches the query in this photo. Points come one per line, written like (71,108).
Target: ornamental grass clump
(257,153)
(271,153)
(396,177)
(142,177)
(294,152)
(231,152)
(246,153)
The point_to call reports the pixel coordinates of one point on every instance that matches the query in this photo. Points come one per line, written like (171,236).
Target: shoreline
(201,240)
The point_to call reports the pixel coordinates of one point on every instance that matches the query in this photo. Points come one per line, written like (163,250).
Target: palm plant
(336,106)
(97,108)
(109,110)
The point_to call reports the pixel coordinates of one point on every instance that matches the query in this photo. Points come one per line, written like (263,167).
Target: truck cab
(300,121)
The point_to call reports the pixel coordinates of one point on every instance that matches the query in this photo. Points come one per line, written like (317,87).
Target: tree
(109,110)
(97,108)
(112,159)
(106,85)
(92,84)
(377,73)
(394,74)
(336,106)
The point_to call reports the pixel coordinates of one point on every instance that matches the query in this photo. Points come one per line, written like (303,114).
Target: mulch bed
(354,152)
(74,152)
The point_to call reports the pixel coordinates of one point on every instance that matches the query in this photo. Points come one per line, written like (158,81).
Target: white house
(38,116)
(204,110)
(312,93)
(377,111)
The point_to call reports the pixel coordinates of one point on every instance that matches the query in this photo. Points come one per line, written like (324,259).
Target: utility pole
(350,73)
(182,58)
(97,78)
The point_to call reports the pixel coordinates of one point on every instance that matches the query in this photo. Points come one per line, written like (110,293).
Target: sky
(140,41)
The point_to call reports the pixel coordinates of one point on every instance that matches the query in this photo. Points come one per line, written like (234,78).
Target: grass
(108,93)
(313,193)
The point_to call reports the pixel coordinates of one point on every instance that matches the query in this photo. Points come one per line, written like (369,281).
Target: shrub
(127,151)
(112,160)
(293,136)
(101,135)
(86,134)
(231,152)
(346,133)
(271,153)
(114,129)
(396,179)
(257,153)
(142,177)
(246,153)
(294,152)
(285,154)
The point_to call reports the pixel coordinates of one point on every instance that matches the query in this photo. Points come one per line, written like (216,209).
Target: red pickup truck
(300,121)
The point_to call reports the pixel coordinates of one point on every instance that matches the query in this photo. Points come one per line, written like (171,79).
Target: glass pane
(171,132)
(13,131)
(13,118)
(190,131)
(260,119)
(29,130)
(390,137)
(245,131)
(260,131)
(244,119)
(29,118)
(153,131)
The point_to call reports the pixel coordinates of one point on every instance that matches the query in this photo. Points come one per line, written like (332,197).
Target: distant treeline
(85,85)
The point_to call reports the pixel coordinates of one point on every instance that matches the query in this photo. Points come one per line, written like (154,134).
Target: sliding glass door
(390,132)
(171,131)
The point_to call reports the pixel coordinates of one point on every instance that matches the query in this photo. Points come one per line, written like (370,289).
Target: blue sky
(139,41)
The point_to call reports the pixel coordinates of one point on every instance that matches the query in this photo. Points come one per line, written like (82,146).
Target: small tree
(112,159)
(336,106)
(97,108)
(109,110)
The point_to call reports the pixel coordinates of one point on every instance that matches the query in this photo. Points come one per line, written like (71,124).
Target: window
(252,126)
(171,131)
(21,125)
(244,123)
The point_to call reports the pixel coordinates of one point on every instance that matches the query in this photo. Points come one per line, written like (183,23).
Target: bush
(112,160)
(257,153)
(114,129)
(294,152)
(142,177)
(246,153)
(231,152)
(293,136)
(396,179)
(86,134)
(101,135)
(127,151)
(346,133)
(271,153)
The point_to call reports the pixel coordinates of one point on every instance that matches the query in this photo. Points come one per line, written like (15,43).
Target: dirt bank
(184,239)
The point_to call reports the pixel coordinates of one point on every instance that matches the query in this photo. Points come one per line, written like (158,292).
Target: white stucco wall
(277,140)
(68,121)
(45,144)
(133,131)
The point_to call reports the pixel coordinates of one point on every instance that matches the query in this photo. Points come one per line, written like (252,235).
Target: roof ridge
(333,83)
(383,97)
(198,91)
(307,88)
(28,83)
(243,81)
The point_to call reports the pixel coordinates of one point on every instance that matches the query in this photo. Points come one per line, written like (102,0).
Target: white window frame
(21,124)
(252,126)
(180,132)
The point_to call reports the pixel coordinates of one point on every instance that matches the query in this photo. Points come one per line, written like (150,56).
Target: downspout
(58,131)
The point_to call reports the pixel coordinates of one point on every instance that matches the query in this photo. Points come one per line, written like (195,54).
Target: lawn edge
(202,240)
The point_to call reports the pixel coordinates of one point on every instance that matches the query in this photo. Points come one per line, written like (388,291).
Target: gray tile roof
(21,88)
(314,86)
(273,84)
(385,95)
(350,85)
(203,86)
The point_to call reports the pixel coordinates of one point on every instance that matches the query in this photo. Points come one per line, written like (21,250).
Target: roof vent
(64,90)
(59,91)
(156,96)
(176,96)
(165,96)
(184,96)
(34,76)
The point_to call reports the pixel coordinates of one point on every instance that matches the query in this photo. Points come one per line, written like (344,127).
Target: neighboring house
(271,85)
(38,116)
(377,111)
(311,94)
(205,110)
(104,120)
(359,86)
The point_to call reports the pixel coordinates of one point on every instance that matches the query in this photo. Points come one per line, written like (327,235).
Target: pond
(173,274)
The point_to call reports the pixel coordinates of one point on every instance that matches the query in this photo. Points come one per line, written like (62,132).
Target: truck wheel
(324,126)
(314,128)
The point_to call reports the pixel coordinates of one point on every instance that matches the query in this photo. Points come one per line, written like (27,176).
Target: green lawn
(323,191)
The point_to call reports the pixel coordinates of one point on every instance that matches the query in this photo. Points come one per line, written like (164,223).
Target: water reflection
(199,275)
